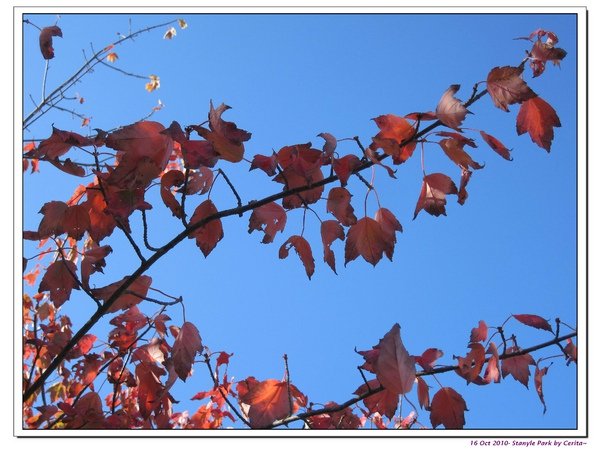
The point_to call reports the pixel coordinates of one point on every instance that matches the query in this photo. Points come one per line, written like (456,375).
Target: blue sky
(510,249)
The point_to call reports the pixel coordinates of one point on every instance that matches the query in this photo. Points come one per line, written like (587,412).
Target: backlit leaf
(303,250)
(394,367)
(187,344)
(533,321)
(450,111)
(448,409)
(270,219)
(496,145)
(59,280)
(537,380)
(338,203)
(506,87)
(367,238)
(330,231)
(517,366)
(433,194)
(538,118)
(208,235)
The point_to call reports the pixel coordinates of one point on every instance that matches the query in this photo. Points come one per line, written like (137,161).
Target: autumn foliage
(144,355)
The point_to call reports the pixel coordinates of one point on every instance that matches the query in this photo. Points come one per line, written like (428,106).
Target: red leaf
(429,356)
(433,194)
(133,295)
(538,118)
(52,223)
(448,409)
(470,366)
(542,52)
(367,239)
(93,261)
(343,167)
(268,164)
(506,87)
(423,393)
(480,333)
(496,145)
(226,138)
(185,348)
(76,221)
(86,343)
(537,380)
(46,40)
(167,181)
(303,250)
(268,400)
(492,373)
(571,352)
(197,154)
(450,111)
(395,137)
(533,321)
(59,280)
(394,367)
(270,219)
(455,151)
(462,189)
(517,366)
(199,181)
(330,231)
(102,224)
(389,226)
(338,203)
(421,116)
(208,235)
(384,402)
(374,157)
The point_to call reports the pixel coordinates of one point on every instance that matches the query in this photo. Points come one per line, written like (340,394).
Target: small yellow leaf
(85,122)
(182,24)
(112,57)
(153,84)
(171,32)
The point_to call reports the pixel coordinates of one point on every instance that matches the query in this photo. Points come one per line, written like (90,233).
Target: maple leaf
(46,35)
(208,235)
(395,137)
(112,57)
(480,333)
(268,400)
(338,204)
(544,51)
(134,294)
(102,224)
(458,137)
(268,164)
(270,219)
(197,154)
(330,231)
(153,84)
(59,280)
(199,181)
(433,194)
(142,140)
(448,409)
(226,138)
(470,366)
(59,143)
(167,181)
(93,261)
(423,393)
(537,380)
(344,419)
(533,321)
(344,166)
(394,367)
(384,402)
(538,118)
(185,348)
(76,221)
(367,239)
(506,87)
(330,144)
(570,352)
(52,223)
(496,145)
(455,151)
(428,357)
(517,366)
(450,111)
(389,226)
(492,373)
(303,250)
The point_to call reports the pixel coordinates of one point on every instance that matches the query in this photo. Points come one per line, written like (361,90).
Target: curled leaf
(46,40)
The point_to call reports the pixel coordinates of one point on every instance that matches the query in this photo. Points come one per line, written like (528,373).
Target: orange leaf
(496,145)
(448,409)
(46,40)
(384,402)
(470,366)
(303,250)
(367,239)
(394,367)
(338,203)
(506,87)
(537,380)
(208,235)
(343,167)
(185,348)
(395,137)
(492,373)
(389,226)
(455,151)
(450,111)
(270,219)
(112,57)
(538,118)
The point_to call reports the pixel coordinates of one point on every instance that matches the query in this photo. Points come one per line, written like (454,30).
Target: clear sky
(510,249)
